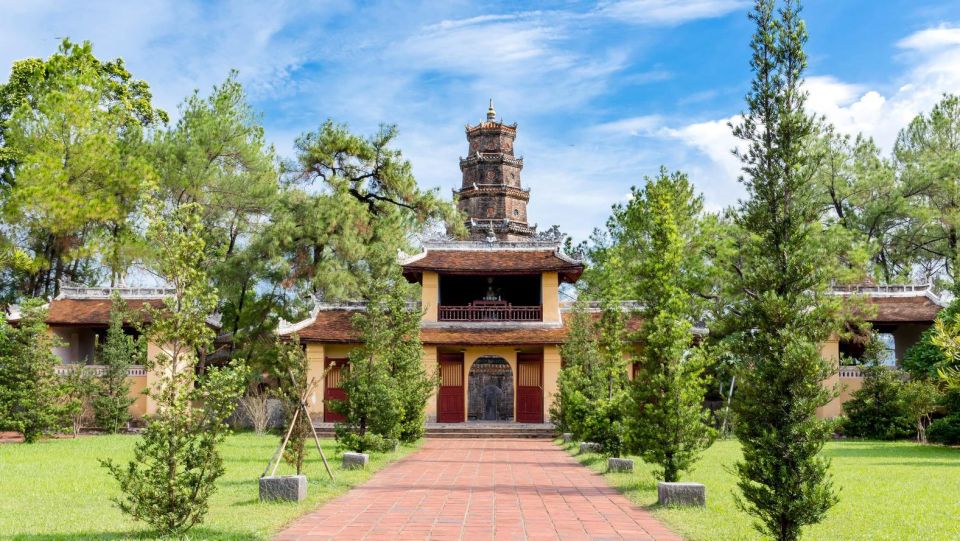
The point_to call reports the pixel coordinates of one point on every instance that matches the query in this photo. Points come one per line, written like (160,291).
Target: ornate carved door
(530,387)
(332,390)
(450,396)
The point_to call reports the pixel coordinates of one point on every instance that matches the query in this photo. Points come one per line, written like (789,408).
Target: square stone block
(619,464)
(567,437)
(688,494)
(355,461)
(285,488)
(590,447)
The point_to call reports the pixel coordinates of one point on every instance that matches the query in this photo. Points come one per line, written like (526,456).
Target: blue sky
(604,93)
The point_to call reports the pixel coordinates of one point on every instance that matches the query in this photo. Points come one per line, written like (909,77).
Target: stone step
(469,430)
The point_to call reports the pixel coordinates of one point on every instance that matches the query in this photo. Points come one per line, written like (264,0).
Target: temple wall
(830,351)
(430,295)
(551,371)
(550,297)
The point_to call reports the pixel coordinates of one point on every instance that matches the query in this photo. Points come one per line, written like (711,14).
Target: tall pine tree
(783,315)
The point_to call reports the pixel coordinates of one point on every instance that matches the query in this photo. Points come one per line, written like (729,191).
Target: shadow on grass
(194,533)
(888,450)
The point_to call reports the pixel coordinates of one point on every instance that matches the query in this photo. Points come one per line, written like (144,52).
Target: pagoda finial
(491,114)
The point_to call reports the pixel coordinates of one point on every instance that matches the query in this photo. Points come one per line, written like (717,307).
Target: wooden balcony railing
(490,311)
(98,369)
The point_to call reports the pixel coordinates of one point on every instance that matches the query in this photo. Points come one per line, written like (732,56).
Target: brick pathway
(482,489)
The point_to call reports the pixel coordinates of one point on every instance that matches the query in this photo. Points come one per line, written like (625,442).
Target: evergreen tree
(217,155)
(785,261)
(291,361)
(118,353)
(404,355)
(77,390)
(29,386)
(927,154)
(877,410)
(658,229)
(386,385)
(577,383)
(176,461)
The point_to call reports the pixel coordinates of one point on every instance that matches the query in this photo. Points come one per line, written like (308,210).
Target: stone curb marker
(690,494)
(285,488)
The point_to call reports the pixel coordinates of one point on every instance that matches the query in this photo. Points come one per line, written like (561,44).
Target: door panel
(450,399)
(332,390)
(529,387)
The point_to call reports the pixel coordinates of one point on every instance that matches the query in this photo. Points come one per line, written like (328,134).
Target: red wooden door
(450,396)
(529,387)
(332,389)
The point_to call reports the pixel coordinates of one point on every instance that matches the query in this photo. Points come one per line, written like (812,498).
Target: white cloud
(669,12)
(638,125)
(934,58)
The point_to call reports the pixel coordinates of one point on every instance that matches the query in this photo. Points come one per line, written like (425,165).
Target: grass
(56,489)
(888,491)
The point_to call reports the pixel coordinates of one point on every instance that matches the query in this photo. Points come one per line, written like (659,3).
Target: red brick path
(482,489)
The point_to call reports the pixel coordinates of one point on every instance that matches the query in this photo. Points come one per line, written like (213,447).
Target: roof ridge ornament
(491,114)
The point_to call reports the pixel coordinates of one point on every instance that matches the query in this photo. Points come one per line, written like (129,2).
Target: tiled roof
(325,326)
(92,311)
(919,309)
(493,335)
(492,261)
(893,303)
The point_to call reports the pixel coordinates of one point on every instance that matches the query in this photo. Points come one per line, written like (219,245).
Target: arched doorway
(490,384)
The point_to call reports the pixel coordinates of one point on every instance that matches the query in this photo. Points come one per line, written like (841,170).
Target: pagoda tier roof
(490,258)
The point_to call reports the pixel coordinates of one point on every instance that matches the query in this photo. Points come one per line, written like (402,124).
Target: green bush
(363,443)
(604,424)
(947,429)
(877,411)
(924,357)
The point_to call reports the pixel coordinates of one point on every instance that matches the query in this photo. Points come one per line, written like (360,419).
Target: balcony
(97,369)
(490,311)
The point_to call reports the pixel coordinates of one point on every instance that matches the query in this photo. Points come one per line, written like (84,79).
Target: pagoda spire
(491,196)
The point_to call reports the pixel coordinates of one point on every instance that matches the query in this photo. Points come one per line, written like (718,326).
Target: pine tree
(77,390)
(176,460)
(118,352)
(659,231)
(29,385)
(386,385)
(291,362)
(577,381)
(784,263)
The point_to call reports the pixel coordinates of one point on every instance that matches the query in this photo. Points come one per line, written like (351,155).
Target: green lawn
(888,491)
(56,490)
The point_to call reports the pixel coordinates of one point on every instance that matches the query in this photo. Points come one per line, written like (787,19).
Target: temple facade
(492,320)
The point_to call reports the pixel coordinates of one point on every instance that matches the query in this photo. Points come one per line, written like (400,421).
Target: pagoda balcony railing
(490,311)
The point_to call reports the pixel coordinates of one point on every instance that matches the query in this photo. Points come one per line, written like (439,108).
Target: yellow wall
(316,353)
(430,295)
(550,293)
(551,371)
(430,365)
(137,385)
(830,351)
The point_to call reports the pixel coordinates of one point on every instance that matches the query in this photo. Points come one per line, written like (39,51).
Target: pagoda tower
(491,195)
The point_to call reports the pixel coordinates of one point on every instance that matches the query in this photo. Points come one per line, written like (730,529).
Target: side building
(79,317)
